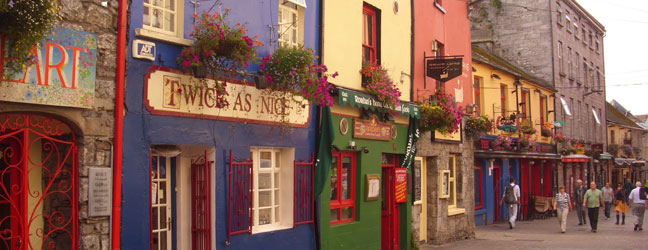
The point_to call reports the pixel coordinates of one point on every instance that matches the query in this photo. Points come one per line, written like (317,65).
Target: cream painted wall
(490,98)
(342,41)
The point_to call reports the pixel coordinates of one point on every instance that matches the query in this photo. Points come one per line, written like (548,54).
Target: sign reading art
(371,129)
(401,185)
(175,94)
(444,69)
(63,73)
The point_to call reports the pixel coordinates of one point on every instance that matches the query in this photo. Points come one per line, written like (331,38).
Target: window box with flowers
(526,127)
(501,143)
(23,24)
(558,137)
(441,114)
(545,132)
(292,69)
(477,126)
(613,149)
(219,49)
(378,83)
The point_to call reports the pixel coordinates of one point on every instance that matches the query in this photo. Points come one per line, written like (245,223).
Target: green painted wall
(365,232)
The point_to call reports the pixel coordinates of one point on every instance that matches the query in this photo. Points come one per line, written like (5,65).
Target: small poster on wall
(401,185)
(444,190)
(373,187)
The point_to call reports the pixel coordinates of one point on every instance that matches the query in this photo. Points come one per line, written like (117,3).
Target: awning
(301,3)
(624,161)
(605,156)
(367,101)
(639,162)
(575,158)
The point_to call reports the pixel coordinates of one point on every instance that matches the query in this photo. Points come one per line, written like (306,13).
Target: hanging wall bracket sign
(443,68)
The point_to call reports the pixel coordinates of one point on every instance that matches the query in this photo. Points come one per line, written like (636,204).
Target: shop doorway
(390,222)
(182,201)
(38,183)
(497,177)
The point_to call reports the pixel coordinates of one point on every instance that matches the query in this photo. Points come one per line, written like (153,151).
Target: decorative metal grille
(303,198)
(240,197)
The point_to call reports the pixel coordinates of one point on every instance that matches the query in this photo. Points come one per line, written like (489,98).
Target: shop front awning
(622,162)
(575,158)
(639,162)
(605,156)
(363,100)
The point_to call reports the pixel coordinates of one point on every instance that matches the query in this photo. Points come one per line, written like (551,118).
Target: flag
(324,157)
(412,138)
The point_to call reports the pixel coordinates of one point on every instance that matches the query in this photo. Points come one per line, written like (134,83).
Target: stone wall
(95,126)
(441,227)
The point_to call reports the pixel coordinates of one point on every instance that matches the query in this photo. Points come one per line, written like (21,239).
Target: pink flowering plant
(219,48)
(378,83)
(440,114)
(502,142)
(478,125)
(23,24)
(293,69)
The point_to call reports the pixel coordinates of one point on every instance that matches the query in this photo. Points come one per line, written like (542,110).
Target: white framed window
(452,182)
(291,23)
(272,188)
(163,20)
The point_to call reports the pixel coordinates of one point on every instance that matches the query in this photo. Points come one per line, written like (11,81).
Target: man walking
(593,199)
(638,206)
(512,197)
(608,196)
(579,193)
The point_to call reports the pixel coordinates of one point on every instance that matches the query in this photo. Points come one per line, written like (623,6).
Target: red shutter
(239,218)
(303,188)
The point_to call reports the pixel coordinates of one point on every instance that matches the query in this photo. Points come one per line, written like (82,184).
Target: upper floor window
(591,40)
(583,31)
(585,72)
(369,34)
(561,67)
(598,78)
(478,97)
(503,94)
(559,17)
(612,139)
(161,16)
(569,63)
(543,110)
(576,68)
(343,187)
(568,24)
(291,24)
(526,104)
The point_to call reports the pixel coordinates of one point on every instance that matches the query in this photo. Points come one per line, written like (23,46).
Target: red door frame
(390,222)
(497,177)
(524,184)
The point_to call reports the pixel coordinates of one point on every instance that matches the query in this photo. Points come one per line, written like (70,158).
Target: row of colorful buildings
(113,138)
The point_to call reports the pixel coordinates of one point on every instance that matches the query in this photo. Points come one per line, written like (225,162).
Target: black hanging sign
(444,68)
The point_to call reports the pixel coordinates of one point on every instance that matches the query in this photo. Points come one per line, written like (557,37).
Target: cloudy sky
(626,53)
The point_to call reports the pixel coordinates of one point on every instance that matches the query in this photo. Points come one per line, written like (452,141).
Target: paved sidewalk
(545,234)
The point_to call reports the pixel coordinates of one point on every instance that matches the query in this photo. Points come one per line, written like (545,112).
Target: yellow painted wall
(342,38)
(619,134)
(490,98)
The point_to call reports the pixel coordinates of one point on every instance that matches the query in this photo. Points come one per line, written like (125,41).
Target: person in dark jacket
(579,195)
(621,207)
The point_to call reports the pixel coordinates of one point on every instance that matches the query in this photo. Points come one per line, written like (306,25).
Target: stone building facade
(561,43)
(83,134)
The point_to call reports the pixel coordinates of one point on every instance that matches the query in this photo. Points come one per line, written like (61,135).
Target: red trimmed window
(543,110)
(479,187)
(525,104)
(343,187)
(369,29)
(503,95)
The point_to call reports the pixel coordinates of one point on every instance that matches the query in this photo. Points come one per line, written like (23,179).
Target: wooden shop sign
(444,68)
(372,129)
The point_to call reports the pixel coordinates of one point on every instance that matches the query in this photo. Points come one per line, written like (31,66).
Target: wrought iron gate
(38,183)
(201,203)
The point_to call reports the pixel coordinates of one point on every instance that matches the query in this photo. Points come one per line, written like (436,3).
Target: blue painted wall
(141,129)
(508,168)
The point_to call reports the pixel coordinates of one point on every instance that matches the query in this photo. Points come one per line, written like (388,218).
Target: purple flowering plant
(441,113)
(222,49)
(378,83)
(293,69)
(23,24)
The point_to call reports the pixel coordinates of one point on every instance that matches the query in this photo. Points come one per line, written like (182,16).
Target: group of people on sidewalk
(588,201)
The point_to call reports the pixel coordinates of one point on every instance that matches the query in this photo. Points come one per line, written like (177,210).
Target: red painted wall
(452,29)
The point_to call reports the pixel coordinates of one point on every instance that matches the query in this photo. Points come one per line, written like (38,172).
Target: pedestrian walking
(638,206)
(562,203)
(579,193)
(512,197)
(608,197)
(620,206)
(593,200)
(628,187)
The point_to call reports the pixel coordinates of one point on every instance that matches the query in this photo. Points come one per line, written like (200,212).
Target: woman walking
(563,205)
(621,207)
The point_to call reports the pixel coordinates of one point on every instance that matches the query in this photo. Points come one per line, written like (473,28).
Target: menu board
(416,182)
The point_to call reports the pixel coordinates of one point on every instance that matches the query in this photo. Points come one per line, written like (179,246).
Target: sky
(625,50)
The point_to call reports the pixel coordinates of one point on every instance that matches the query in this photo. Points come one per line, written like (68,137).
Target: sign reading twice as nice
(63,73)
(174,94)
(371,129)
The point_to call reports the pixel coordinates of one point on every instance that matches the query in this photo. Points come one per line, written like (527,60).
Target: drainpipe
(316,208)
(119,125)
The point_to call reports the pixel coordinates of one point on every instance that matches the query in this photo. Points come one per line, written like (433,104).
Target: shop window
(370,34)
(479,187)
(454,188)
(163,20)
(291,23)
(272,189)
(343,187)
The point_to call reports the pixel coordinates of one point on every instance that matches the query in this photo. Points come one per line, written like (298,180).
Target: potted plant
(219,48)
(566,149)
(501,143)
(378,83)
(441,114)
(544,132)
(293,69)
(613,149)
(23,24)
(559,137)
(526,127)
(478,125)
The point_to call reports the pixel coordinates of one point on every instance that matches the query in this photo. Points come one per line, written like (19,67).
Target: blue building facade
(495,174)
(198,177)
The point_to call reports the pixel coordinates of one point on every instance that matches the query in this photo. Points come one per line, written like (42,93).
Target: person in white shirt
(638,206)
(512,197)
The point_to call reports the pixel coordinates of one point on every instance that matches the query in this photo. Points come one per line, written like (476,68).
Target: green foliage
(477,125)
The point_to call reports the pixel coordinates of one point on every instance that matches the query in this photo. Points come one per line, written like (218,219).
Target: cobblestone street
(545,234)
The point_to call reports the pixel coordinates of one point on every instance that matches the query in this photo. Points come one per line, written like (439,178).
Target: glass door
(161,203)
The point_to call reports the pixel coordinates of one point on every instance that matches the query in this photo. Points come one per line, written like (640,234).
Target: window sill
(141,32)
(271,228)
(456,211)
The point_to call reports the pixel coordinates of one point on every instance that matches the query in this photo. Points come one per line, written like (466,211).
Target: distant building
(627,144)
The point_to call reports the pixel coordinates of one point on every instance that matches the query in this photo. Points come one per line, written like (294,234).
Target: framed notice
(372,187)
(444,184)
(416,181)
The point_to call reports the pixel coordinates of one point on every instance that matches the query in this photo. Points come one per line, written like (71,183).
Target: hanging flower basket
(545,132)
(23,24)
(223,50)
(293,70)
(378,83)
(440,114)
(478,125)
